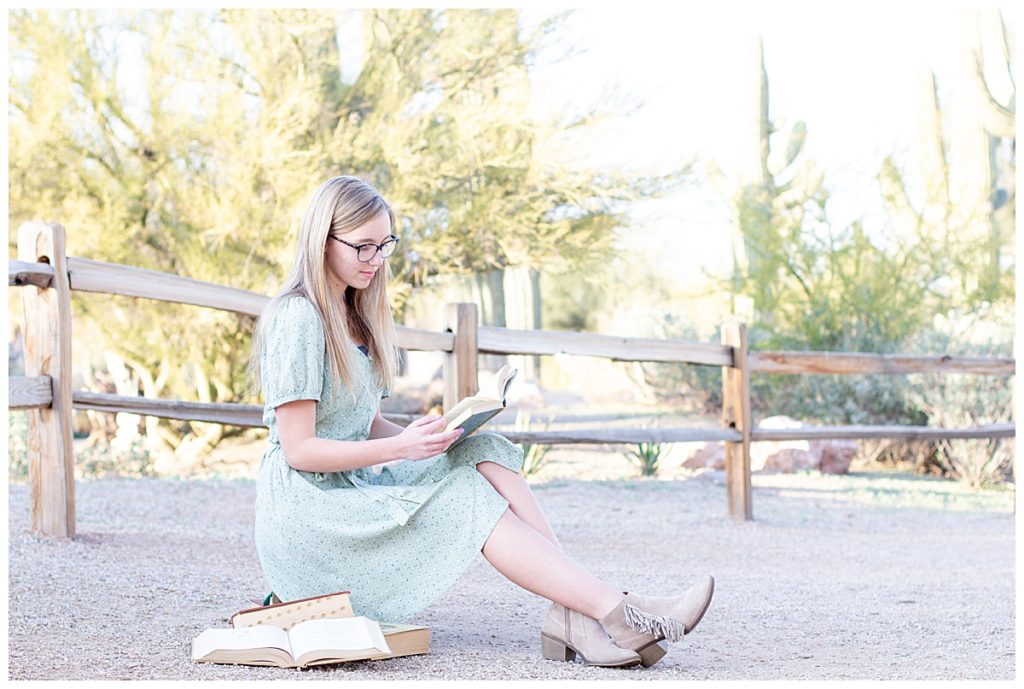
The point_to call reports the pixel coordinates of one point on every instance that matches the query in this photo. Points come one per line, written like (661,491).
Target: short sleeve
(292,361)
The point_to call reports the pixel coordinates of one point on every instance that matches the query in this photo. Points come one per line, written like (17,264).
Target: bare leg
(531,561)
(512,486)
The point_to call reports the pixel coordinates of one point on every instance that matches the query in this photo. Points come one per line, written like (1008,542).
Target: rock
(712,456)
(762,453)
(786,456)
(836,455)
(792,459)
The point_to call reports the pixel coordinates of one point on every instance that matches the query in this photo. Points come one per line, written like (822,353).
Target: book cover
(289,613)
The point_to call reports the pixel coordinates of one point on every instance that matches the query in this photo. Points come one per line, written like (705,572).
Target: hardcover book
(270,635)
(473,412)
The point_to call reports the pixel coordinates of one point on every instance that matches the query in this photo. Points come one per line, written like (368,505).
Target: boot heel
(653,653)
(552,649)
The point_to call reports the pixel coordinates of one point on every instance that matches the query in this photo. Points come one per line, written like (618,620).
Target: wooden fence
(47,277)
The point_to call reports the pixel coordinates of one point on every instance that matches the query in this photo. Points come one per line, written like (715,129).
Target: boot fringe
(655,625)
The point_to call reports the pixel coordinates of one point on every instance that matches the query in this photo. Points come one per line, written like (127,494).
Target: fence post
(736,414)
(48,353)
(460,364)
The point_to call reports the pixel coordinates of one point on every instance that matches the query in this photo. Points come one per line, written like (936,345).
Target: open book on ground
(473,412)
(218,646)
(314,642)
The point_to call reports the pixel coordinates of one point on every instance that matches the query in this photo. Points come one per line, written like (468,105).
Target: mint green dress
(397,540)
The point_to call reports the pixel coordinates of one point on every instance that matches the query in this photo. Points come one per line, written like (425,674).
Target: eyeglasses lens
(368,251)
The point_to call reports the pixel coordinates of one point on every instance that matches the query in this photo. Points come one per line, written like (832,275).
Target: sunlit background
(840,178)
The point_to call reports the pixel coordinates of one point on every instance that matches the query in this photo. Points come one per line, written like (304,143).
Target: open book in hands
(313,642)
(473,412)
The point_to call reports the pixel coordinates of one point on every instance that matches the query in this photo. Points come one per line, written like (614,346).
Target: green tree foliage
(189,142)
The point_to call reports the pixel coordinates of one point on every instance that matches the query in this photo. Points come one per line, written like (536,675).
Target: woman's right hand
(421,439)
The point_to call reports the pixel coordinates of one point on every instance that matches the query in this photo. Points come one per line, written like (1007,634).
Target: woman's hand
(421,439)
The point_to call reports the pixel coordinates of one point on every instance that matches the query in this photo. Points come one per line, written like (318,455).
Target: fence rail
(491,340)
(847,363)
(47,277)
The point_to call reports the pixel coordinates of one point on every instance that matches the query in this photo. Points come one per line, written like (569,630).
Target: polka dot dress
(397,540)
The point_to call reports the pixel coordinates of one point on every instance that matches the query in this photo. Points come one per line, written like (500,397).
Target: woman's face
(343,268)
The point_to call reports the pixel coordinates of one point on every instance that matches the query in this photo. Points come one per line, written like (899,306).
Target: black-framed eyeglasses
(366,252)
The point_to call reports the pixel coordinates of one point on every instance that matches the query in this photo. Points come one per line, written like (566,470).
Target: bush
(836,399)
(17,446)
(696,388)
(962,400)
(647,457)
(534,455)
(93,461)
(104,458)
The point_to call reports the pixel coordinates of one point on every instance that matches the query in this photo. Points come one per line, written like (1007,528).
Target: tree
(189,142)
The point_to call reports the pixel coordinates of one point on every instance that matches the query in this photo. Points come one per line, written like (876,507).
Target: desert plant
(961,400)
(698,388)
(105,458)
(953,401)
(917,455)
(836,399)
(534,454)
(17,446)
(646,456)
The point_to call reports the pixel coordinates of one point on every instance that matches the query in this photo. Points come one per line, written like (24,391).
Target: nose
(377,260)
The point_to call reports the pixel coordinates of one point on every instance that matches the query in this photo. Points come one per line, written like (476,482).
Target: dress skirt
(397,540)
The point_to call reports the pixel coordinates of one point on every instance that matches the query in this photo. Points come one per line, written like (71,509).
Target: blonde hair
(339,206)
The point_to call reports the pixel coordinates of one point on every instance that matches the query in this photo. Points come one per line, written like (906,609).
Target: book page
(504,380)
(395,627)
(245,638)
(340,637)
(456,411)
(480,403)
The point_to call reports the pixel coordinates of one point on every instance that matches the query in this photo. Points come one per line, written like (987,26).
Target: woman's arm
(304,451)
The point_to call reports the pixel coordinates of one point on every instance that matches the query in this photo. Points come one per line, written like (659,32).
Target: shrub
(534,455)
(95,460)
(104,458)
(697,388)
(17,446)
(647,457)
(962,400)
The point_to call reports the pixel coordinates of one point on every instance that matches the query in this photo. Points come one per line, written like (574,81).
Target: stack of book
(311,631)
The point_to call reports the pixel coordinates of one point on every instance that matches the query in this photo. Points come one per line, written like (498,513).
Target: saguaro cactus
(767,183)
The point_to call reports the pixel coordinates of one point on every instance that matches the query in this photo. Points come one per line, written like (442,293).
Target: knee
(488,468)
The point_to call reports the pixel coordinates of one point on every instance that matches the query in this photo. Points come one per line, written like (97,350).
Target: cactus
(968,163)
(766,185)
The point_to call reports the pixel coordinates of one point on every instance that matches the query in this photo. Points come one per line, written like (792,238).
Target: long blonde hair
(339,206)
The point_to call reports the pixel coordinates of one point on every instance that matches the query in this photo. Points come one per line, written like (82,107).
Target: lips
(367,274)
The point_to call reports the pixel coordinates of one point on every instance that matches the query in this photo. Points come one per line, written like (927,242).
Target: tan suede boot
(670,617)
(567,633)
(651,647)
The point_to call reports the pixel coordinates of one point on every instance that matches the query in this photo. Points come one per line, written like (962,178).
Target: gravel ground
(869,576)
